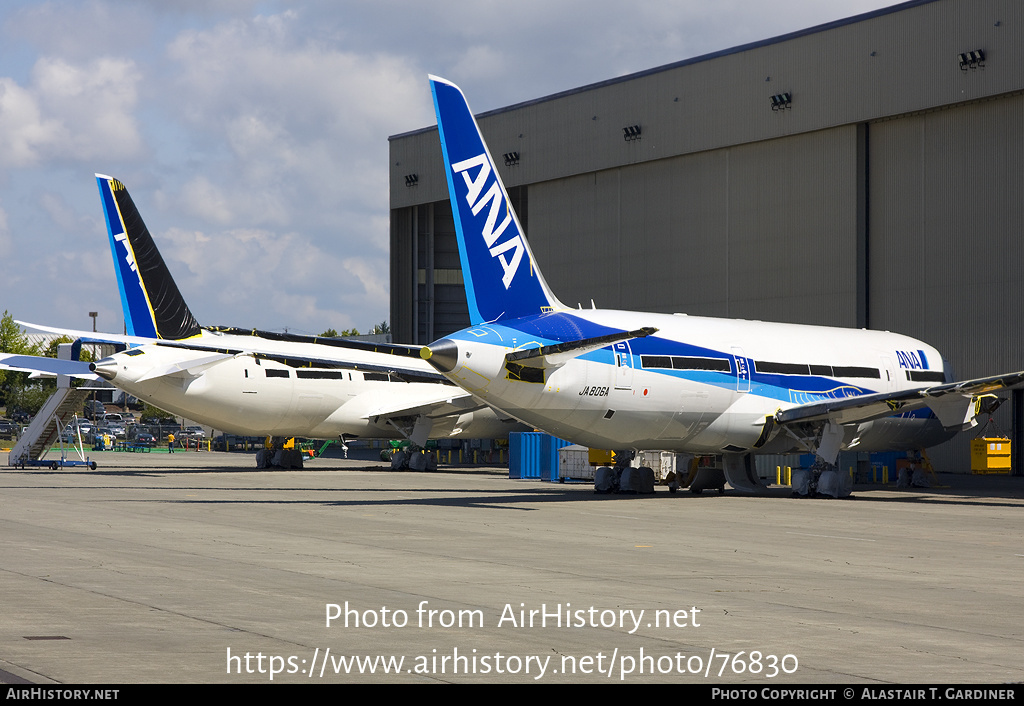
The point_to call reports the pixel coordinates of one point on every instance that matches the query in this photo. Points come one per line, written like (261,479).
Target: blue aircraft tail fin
(501,275)
(153,306)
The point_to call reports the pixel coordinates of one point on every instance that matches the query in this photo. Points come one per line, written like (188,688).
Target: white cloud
(298,114)
(199,197)
(244,275)
(60,211)
(78,30)
(23,130)
(371,276)
(70,112)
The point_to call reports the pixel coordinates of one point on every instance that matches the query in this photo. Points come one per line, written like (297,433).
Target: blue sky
(253,135)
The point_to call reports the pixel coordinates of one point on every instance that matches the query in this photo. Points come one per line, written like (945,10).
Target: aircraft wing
(46,366)
(953,403)
(400,349)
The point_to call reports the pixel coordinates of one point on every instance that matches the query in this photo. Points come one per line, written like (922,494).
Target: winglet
(501,275)
(153,306)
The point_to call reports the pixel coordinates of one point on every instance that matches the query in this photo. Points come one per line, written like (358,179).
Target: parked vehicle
(84,426)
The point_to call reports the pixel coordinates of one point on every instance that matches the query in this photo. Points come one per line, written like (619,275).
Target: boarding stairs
(47,426)
(49,422)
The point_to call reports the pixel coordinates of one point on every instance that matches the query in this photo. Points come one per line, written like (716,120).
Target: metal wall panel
(755,231)
(402,283)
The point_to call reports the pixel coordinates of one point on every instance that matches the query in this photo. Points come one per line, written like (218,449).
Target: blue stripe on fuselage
(562,327)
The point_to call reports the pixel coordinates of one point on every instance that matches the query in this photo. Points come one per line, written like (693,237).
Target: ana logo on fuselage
(911,360)
(477,199)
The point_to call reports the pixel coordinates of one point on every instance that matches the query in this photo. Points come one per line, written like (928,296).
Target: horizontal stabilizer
(396,404)
(189,368)
(559,353)
(46,366)
(455,403)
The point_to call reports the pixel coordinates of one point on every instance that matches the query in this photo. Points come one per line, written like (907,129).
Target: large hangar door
(946,261)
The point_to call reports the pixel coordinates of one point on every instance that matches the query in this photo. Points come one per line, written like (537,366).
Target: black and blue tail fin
(153,305)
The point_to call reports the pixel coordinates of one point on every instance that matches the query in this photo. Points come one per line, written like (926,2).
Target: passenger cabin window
(319,374)
(926,375)
(839,371)
(685,362)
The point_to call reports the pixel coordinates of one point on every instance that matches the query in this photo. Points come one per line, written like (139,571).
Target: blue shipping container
(533,454)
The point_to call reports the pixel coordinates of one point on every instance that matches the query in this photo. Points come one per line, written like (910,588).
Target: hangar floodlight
(511,159)
(972,59)
(412,179)
(781,101)
(630,133)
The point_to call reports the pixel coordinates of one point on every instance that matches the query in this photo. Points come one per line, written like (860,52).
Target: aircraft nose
(442,354)
(106,368)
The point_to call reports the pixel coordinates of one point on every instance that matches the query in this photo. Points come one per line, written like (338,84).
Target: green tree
(12,340)
(51,350)
(382,327)
(30,395)
(151,412)
(329,333)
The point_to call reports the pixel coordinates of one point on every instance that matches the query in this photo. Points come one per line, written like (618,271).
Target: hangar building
(864,173)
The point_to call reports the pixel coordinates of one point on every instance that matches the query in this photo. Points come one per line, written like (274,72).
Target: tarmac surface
(198,568)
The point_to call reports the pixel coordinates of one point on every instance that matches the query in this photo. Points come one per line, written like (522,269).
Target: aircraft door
(623,366)
(890,372)
(742,369)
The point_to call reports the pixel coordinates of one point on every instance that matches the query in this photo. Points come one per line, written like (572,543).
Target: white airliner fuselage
(241,393)
(665,392)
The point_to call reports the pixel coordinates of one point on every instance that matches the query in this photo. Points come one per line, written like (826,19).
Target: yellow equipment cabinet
(990,455)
